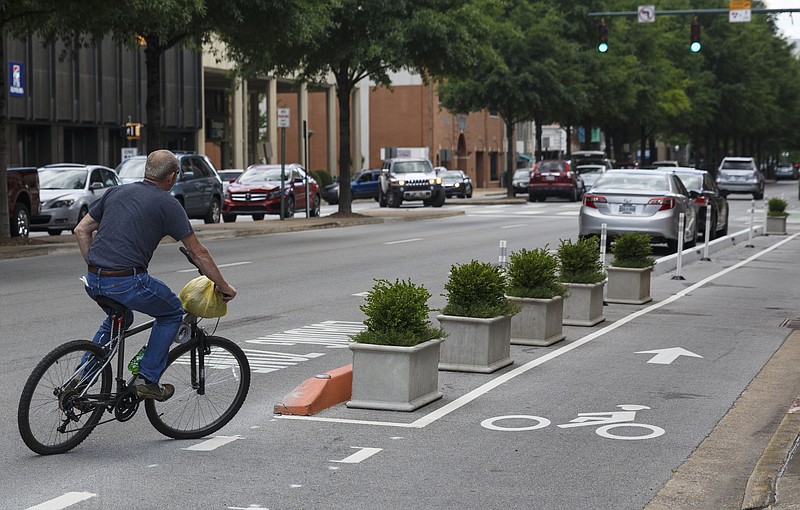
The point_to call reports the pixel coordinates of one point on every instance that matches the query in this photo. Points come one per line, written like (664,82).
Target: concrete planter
(539,322)
(393,378)
(474,344)
(584,305)
(776,225)
(629,285)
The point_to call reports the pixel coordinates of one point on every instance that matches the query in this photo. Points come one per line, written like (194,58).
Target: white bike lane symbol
(605,422)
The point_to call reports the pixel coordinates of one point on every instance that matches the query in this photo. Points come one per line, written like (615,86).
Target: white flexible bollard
(707,233)
(603,240)
(503,254)
(752,219)
(681,233)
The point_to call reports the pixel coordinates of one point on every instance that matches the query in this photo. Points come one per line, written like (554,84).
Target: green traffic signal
(695,46)
(602,36)
(695,31)
(602,47)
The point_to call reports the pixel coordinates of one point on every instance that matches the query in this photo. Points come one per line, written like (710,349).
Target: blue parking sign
(16,79)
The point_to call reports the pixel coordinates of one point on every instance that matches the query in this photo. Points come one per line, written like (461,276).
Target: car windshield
(410,167)
(522,174)
(632,181)
(227,175)
(583,170)
(451,176)
(132,169)
(261,174)
(692,181)
(62,179)
(737,165)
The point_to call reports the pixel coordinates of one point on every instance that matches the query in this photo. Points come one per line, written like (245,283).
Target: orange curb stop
(318,393)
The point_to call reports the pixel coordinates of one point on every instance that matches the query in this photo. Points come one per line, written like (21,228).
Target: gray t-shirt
(133,219)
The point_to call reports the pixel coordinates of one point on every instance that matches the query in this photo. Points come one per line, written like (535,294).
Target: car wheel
(54,231)
(541,198)
(314,211)
(257,217)
(212,216)
(393,199)
(531,197)
(758,196)
(382,198)
(20,221)
(573,196)
(469,191)
(724,230)
(229,218)
(438,200)
(288,210)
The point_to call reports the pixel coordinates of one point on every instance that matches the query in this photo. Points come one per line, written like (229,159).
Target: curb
(761,487)
(318,393)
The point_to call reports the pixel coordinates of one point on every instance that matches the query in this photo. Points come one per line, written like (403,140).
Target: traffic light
(602,36)
(696,44)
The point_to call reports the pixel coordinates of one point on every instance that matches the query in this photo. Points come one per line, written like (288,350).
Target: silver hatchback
(646,201)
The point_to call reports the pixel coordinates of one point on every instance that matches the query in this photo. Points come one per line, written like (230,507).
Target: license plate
(627,208)
(549,177)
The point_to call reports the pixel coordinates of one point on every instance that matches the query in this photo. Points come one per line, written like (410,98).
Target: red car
(554,178)
(258,192)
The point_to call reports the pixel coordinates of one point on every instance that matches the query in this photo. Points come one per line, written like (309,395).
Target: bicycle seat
(117,309)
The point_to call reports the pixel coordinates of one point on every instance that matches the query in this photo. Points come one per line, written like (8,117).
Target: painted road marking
(667,356)
(331,334)
(485,388)
(362,454)
(220,266)
(405,241)
(515,226)
(64,501)
(213,443)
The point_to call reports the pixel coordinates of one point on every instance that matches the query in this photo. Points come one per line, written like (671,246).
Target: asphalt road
(299,290)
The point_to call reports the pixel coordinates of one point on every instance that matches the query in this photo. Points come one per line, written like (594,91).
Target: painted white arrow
(667,356)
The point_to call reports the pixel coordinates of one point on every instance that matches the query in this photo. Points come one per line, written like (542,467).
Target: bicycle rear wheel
(188,414)
(56,412)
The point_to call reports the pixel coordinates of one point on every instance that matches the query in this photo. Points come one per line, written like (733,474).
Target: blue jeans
(145,294)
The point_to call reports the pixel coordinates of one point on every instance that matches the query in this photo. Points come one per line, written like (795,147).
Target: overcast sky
(789,23)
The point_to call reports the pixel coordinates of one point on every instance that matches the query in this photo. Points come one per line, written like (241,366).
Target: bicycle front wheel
(196,410)
(58,409)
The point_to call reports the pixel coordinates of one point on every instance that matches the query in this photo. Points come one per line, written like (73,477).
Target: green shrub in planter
(777,207)
(533,274)
(397,314)
(579,262)
(632,250)
(477,289)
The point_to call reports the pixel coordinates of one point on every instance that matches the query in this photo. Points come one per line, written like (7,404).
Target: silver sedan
(645,201)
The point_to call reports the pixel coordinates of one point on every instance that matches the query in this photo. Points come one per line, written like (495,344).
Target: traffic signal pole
(681,12)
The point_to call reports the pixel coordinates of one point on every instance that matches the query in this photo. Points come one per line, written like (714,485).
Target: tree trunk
(537,122)
(510,156)
(343,92)
(152,59)
(5,221)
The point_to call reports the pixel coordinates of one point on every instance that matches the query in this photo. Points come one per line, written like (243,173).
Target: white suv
(740,175)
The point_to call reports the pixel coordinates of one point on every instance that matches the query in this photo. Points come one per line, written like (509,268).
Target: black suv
(198,188)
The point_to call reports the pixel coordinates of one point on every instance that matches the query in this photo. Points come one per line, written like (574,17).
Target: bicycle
(68,392)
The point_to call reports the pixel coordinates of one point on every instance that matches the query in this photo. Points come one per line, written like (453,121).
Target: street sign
(646,13)
(129,152)
(739,11)
(133,130)
(283,117)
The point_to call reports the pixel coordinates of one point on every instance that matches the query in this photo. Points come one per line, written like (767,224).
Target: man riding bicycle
(130,221)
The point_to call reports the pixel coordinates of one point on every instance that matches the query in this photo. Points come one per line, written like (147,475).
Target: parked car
(456,184)
(520,179)
(646,201)
(364,184)
(701,182)
(228,176)
(554,178)
(786,171)
(589,173)
(258,192)
(667,163)
(740,175)
(66,191)
(23,199)
(198,187)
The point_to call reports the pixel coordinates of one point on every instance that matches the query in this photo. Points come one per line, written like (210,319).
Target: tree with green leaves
(369,40)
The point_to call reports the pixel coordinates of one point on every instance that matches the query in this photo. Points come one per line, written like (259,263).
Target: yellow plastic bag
(199,298)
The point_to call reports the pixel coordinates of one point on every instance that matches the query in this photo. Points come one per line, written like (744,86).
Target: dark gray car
(198,188)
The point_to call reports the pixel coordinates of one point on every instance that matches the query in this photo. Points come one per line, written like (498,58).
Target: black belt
(116,272)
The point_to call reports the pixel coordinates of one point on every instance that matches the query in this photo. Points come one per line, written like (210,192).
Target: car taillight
(666,203)
(703,201)
(591,200)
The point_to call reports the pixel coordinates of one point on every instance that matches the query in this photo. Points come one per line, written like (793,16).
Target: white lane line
(363,454)
(64,501)
(221,265)
(405,241)
(213,443)
(494,383)
(514,226)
